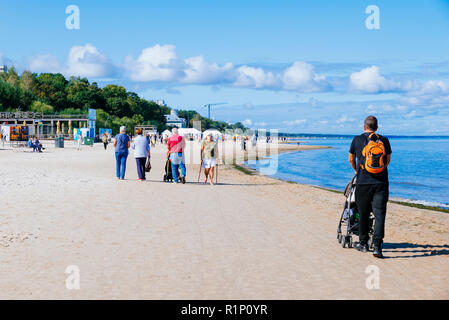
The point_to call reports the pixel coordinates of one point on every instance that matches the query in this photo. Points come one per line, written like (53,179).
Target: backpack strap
(373,134)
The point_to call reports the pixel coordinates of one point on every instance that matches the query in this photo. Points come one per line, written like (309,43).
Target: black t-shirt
(363,176)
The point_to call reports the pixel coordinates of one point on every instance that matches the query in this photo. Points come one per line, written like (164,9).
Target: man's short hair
(122,129)
(371,123)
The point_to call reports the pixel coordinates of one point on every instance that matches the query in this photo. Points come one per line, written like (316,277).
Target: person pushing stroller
(176,145)
(369,156)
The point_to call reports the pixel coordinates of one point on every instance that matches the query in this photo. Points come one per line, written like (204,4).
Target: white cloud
(83,61)
(5,60)
(160,63)
(45,63)
(345,119)
(157,63)
(87,61)
(302,77)
(369,80)
(250,77)
(293,123)
(247,122)
(198,70)
(371,109)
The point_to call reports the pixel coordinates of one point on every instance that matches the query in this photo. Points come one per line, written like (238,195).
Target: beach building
(147,130)
(48,126)
(160,103)
(173,120)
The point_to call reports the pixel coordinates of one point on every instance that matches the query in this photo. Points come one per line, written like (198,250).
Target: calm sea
(419,169)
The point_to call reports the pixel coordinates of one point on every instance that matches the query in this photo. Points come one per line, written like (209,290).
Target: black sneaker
(183,180)
(377,252)
(362,247)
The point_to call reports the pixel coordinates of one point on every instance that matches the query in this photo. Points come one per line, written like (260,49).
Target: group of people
(370,167)
(175,153)
(35,144)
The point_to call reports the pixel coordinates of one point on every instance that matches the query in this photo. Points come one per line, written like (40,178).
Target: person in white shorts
(209,154)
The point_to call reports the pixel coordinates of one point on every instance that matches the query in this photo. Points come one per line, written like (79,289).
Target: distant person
(79,142)
(369,156)
(243,143)
(209,154)
(30,143)
(176,145)
(105,141)
(37,145)
(141,149)
(254,141)
(122,143)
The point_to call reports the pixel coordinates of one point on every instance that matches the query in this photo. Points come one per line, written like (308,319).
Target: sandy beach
(249,237)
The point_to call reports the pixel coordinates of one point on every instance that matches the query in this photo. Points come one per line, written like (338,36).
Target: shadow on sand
(413,250)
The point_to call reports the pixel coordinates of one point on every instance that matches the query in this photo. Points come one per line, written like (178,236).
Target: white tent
(213,132)
(188,131)
(166,133)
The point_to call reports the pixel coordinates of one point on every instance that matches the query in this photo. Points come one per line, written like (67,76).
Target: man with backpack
(369,156)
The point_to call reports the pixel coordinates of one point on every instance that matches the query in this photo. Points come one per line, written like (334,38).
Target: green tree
(50,88)
(38,106)
(116,99)
(27,81)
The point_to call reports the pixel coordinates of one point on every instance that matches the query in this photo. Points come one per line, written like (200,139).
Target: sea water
(419,168)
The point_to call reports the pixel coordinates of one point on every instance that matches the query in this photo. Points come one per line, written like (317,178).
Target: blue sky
(296,66)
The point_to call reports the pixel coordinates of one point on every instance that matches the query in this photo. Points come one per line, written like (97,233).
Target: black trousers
(140,162)
(375,197)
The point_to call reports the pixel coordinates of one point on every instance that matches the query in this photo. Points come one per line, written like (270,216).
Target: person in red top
(176,145)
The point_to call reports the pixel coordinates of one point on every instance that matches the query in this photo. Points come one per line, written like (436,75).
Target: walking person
(369,156)
(209,154)
(141,149)
(105,141)
(79,142)
(122,143)
(176,145)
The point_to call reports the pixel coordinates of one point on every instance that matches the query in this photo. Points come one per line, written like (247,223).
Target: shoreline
(244,168)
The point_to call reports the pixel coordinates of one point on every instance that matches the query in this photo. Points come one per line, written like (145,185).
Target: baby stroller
(168,176)
(349,220)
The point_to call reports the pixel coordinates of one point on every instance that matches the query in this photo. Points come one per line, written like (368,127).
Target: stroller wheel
(349,242)
(343,241)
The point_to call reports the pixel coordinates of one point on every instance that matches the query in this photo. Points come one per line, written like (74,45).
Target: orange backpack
(373,155)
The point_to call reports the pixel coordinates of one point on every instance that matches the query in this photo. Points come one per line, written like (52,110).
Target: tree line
(52,93)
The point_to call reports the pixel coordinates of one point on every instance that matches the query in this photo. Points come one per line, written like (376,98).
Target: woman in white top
(141,149)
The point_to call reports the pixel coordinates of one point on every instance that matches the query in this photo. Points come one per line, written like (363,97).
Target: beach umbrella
(24,123)
(63,128)
(70,126)
(58,127)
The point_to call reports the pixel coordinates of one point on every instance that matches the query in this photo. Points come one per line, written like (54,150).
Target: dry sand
(250,237)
